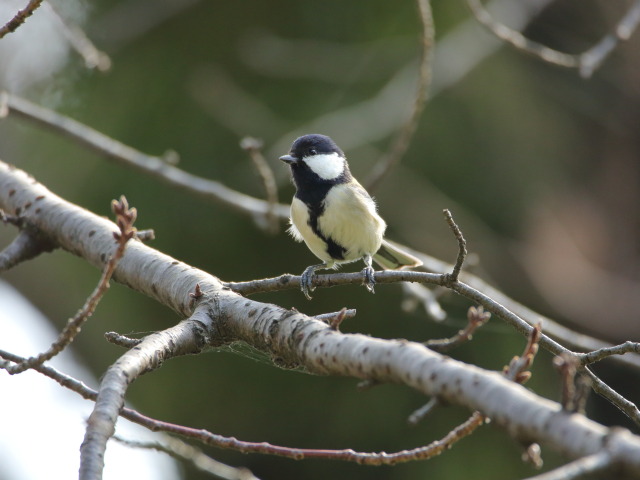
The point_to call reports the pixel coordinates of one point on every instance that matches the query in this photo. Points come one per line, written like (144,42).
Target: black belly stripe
(312,190)
(334,249)
(315,207)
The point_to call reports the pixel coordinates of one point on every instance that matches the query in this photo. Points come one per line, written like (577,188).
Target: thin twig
(573,339)
(253,147)
(533,455)
(415,295)
(518,368)
(188,453)
(328,317)
(582,391)
(566,366)
(289,281)
(518,40)
(602,353)
(125,219)
(403,140)
(28,244)
(151,165)
(418,415)
(596,463)
(146,235)
(93,58)
(121,340)
(364,458)
(462,246)
(19,18)
(476,317)
(586,63)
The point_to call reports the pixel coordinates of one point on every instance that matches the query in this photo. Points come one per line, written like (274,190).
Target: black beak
(290,159)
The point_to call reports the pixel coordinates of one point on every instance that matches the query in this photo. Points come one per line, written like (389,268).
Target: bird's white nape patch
(326,165)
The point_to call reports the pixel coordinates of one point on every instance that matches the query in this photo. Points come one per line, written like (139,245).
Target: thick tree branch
(259,209)
(295,339)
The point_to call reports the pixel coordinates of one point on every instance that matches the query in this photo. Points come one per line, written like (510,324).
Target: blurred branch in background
(129,21)
(401,143)
(253,147)
(81,43)
(456,54)
(586,63)
(155,166)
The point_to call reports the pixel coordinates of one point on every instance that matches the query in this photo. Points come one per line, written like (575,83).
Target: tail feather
(390,257)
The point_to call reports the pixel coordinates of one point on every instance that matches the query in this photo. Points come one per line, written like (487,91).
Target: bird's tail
(390,257)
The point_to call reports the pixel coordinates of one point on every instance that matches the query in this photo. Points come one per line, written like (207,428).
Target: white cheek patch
(326,166)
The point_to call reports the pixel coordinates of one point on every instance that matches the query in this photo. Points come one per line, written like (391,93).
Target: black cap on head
(312,144)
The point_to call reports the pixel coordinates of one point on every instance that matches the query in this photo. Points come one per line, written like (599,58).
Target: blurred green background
(539,167)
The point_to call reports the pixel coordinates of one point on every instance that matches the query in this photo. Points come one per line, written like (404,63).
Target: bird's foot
(306,281)
(369,279)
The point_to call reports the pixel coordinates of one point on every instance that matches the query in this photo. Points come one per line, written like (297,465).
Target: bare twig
(125,218)
(153,166)
(602,353)
(253,147)
(146,235)
(93,58)
(518,40)
(363,458)
(462,246)
(533,455)
(208,438)
(28,244)
(328,317)
(178,448)
(476,318)
(289,281)
(570,338)
(403,140)
(592,464)
(518,368)
(582,391)
(335,322)
(566,366)
(15,220)
(187,453)
(121,340)
(418,415)
(586,62)
(415,295)
(19,18)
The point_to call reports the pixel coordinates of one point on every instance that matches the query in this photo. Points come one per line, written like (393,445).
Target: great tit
(334,215)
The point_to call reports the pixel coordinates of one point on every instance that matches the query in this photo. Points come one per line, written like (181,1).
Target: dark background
(539,166)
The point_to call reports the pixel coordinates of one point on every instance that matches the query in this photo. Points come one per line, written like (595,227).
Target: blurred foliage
(539,166)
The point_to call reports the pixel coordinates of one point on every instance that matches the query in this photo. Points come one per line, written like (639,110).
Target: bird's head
(317,155)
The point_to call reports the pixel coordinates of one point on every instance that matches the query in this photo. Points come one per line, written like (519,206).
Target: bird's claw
(369,279)
(306,282)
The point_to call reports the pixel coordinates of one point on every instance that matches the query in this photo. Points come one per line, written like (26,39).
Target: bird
(334,215)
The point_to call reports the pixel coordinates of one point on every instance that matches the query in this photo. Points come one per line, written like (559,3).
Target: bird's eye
(313,151)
